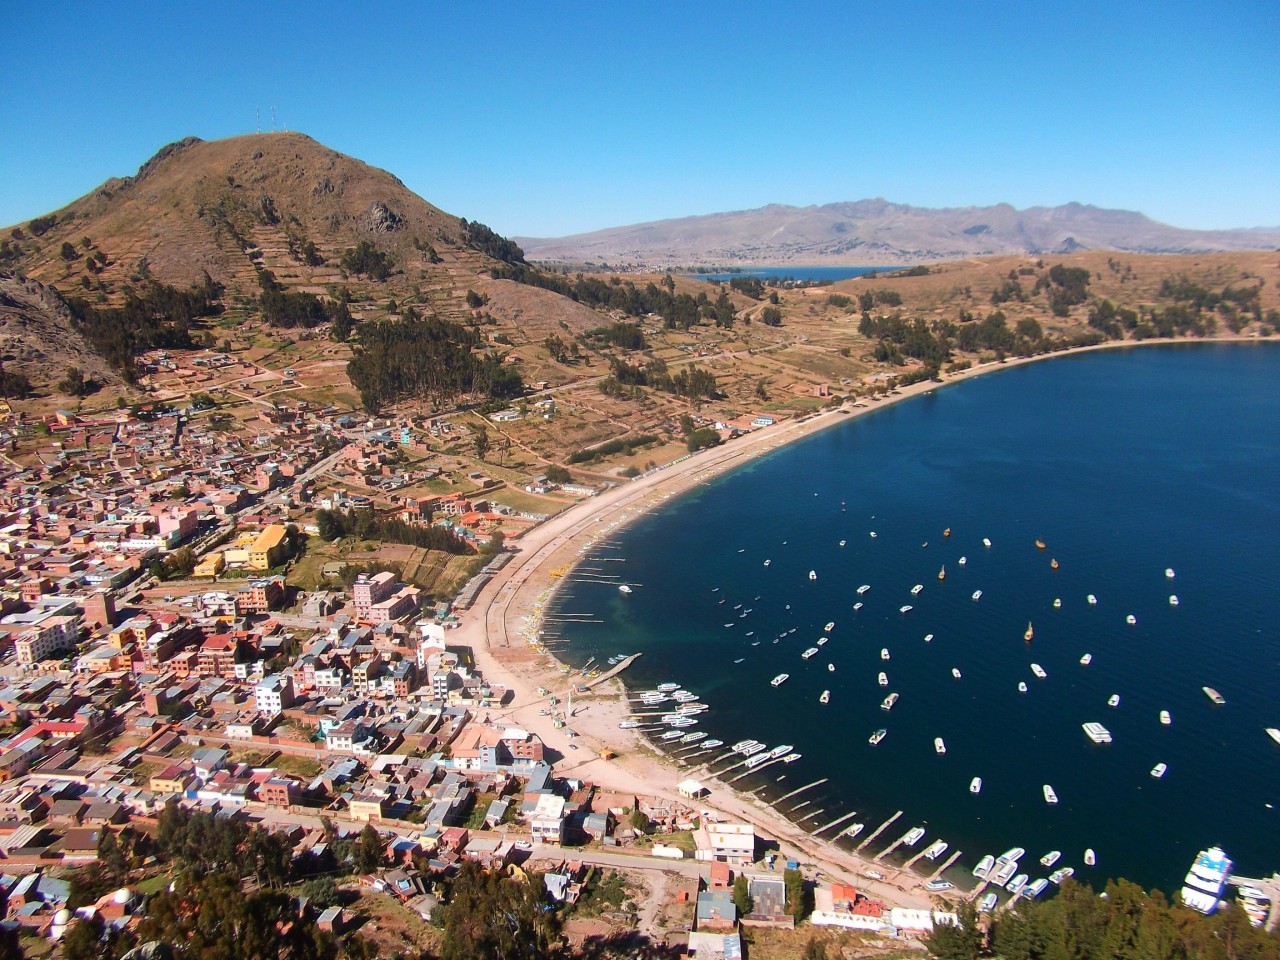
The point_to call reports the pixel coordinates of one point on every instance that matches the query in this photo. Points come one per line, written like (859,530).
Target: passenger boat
(1131,619)
(1017,884)
(767,562)
(939,746)
(1092,599)
(668,687)
(1038,671)
(983,870)
(1061,874)
(988,903)
(1274,733)
(742,745)
(889,701)
(1030,632)
(1036,888)
(681,722)
(1013,853)
(915,591)
(842,543)
(808,653)
(759,758)
(935,850)
(1022,686)
(906,608)
(1090,858)
(1214,695)
(672,735)
(751,750)
(913,836)
(813,575)
(884,653)
(1039,544)
(780,679)
(1204,883)
(821,641)
(937,886)
(1050,858)
(1086,659)
(629,724)
(873,534)
(624,588)
(1003,871)
(1173,599)
(955,672)
(877,736)
(975,785)
(693,737)
(1097,732)
(858,605)
(712,744)
(1159,769)
(826,697)
(792,757)
(1113,700)
(1165,718)
(883,679)
(1168,572)
(1057,603)
(986,542)
(977,595)
(863,589)
(1049,795)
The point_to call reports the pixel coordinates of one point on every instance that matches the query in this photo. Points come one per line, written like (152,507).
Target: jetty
(891,847)
(610,674)
(950,860)
(810,816)
(802,789)
(828,826)
(880,829)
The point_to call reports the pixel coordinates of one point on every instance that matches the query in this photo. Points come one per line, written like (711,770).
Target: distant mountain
(879,232)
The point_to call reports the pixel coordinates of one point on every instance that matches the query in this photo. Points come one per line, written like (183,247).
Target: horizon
(601,118)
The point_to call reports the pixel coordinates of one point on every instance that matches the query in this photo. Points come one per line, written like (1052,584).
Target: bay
(1124,463)
(812,274)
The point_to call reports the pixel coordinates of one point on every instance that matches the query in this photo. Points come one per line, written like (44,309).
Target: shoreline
(502,626)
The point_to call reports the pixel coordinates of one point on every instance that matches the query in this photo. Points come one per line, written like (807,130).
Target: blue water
(797,273)
(1123,463)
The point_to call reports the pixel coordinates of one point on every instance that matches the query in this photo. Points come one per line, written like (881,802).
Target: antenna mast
(273,119)
(257,118)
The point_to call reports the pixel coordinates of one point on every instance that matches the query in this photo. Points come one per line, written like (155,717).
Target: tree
(491,916)
(742,894)
(74,383)
(961,942)
(639,821)
(771,317)
(83,939)
(482,443)
(814,950)
(368,852)
(799,895)
(68,252)
(558,474)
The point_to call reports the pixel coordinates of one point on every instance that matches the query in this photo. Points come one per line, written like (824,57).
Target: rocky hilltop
(880,232)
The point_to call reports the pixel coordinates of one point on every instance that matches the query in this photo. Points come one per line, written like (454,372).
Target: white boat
(1173,599)
(877,736)
(884,653)
(712,744)
(813,575)
(975,785)
(983,870)
(1168,572)
(1113,700)
(808,653)
(1086,659)
(751,750)
(1013,853)
(1057,603)
(831,668)
(742,745)
(1049,795)
(1217,698)
(821,640)
(1204,883)
(883,679)
(939,746)
(1038,671)
(935,850)
(826,697)
(693,737)
(1017,884)
(831,625)
(955,672)
(1090,858)
(1036,888)
(913,836)
(873,534)
(668,687)
(905,608)
(977,594)
(1097,732)
(672,735)
(842,543)
(629,724)
(863,589)
(1092,599)
(937,886)
(1159,769)
(858,605)
(682,722)
(1003,871)
(1061,874)
(1131,619)
(853,830)
(889,701)
(781,749)
(986,542)
(988,903)
(767,562)
(780,679)
(962,561)
(1274,733)
(1050,858)
(792,757)
(623,588)
(753,762)
(1022,686)
(915,591)
(1165,718)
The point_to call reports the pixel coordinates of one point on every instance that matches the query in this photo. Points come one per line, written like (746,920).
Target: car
(934,886)
(523,845)
(573,746)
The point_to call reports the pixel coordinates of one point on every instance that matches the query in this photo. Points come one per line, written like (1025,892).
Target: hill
(877,232)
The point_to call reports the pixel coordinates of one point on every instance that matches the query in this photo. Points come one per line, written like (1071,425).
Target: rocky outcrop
(382,219)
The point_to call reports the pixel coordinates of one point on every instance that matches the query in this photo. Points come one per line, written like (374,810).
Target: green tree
(639,821)
(491,916)
(799,894)
(68,252)
(558,474)
(960,942)
(83,939)
(742,894)
(368,851)
(771,317)
(814,950)
(482,443)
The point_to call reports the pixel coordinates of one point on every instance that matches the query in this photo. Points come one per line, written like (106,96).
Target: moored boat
(1050,858)
(1017,884)
(987,903)
(939,746)
(1165,718)
(624,588)
(884,653)
(1214,695)
(1003,871)
(1038,671)
(889,701)
(1204,883)
(986,542)
(1022,686)
(808,653)
(1086,659)
(1113,700)
(668,687)
(1092,600)
(1159,770)
(905,608)
(813,574)
(915,591)
(1097,732)
(1061,874)
(1050,796)
(975,785)
(877,736)
(883,679)
(955,672)
(1090,858)
(1168,572)
(1039,544)
(913,836)
(1036,888)
(1274,733)
(935,850)
(780,679)
(983,870)
(1057,603)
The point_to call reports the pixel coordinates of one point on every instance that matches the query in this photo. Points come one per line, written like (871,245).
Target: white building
(273,693)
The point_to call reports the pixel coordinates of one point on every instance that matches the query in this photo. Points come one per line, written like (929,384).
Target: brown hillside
(36,335)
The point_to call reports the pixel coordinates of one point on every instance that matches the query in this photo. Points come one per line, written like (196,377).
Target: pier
(909,863)
(810,816)
(610,674)
(892,847)
(880,829)
(802,789)
(950,860)
(825,827)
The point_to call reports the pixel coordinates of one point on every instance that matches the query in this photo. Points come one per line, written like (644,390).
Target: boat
(623,588)
(883,679)
(853,830)
(741,659)
(831,625)
(1030,632)
(792,757)
(813,575)
(742,744)
(873,534)
(751,750)
(693,737)
(1050,858)
(1036,888)
(937,886)
(1057,603)
(946,532)
(884,653)
(1090,858)
(753,762)
(889,701)
(1274,733)
(1173,599)
(1131,619)
(928,638)
(987,903)
(629,724)
(767,562)
(935,850)
(1168,572)
(1214,695)
(858,605)
(668,687)
(1022,686)
(955,672)
(1097,732)
(831,668)
(915,591)
(842,543)
(1013,853)
(1053,564)
(913,836)
(1113,700)
(942,574)
(877,736)
(780,679)
(1003,871)
(1017,884)
(939,746)
(1038,671)
(1165,718)
(781,749)
(986,542)
(808,653)
(1204,883)
(906,608)
(977,595)
(962,561)
(1159,769)
(983,870)
(712,744)
(688,709)
(672,735)
(975,785)
(863,589)
(826,697)
(1049,795)
(682,722)
(1092,599)
(1039,544)
(821,640)
(1086,659)
(684,696)
(1061,874)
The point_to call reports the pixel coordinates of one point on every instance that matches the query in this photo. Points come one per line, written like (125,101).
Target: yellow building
(210,566)
(268,550)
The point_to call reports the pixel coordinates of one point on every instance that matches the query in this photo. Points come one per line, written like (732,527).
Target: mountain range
(879,232)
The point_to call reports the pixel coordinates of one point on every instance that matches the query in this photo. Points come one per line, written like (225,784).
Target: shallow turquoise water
(1123,463)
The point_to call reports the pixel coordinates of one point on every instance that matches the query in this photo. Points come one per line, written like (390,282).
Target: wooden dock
(610,674)
(810,816)
(950,860)
(893,846)
(828,826)
(802,789)
(879,830)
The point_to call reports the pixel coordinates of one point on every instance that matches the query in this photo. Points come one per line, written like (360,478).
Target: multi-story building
(273,693)
(268,549)
(368,591)
(54,635)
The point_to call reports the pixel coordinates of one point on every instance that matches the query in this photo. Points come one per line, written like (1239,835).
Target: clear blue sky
(542,119)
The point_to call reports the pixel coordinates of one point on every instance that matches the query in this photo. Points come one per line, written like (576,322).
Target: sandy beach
(502,624)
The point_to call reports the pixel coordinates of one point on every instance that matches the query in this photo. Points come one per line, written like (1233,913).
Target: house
(368,806)
(726,842)
(547,821)
(715,911)
(269,548)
